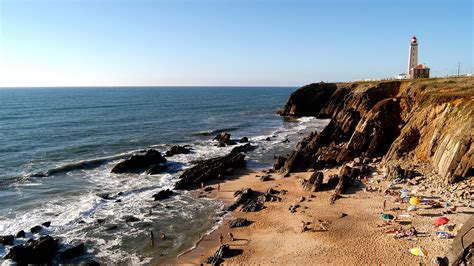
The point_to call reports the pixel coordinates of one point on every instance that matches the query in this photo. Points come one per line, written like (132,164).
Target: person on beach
(162,236)
(202,185)
(303,226)
(384,204)
(231,237)
(152,239)
(221,239)
(218,186)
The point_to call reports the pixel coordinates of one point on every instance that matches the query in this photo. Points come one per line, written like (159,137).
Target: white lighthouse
(413,56)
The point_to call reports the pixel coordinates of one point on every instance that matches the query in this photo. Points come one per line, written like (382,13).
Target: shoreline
(274,235)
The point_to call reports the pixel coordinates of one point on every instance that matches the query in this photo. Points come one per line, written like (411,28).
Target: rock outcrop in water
(40,251)
(177,149)
(224,139)
(210,169)
(405,122)
(150,160)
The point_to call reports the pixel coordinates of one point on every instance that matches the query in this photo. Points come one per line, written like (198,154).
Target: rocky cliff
(425,122)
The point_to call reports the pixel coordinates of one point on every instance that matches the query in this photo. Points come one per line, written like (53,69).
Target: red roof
(420,66)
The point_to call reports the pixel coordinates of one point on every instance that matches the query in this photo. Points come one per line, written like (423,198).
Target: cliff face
(405,122)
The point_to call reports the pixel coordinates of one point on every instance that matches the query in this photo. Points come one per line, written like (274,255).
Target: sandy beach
(352,230)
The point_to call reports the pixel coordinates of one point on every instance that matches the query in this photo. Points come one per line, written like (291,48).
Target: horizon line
(152,86)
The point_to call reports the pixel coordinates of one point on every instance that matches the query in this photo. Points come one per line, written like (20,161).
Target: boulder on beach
(239,222)
(139,162)
(222,252)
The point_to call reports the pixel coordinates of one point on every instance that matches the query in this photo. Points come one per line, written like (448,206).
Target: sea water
(58,145)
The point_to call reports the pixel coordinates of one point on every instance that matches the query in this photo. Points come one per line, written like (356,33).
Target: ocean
(58,145)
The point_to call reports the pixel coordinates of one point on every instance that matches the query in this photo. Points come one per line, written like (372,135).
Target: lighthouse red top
(413,39)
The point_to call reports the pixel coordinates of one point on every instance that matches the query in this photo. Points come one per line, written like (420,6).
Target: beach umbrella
(387,216)
(440,221)
(418,251)
(415,201)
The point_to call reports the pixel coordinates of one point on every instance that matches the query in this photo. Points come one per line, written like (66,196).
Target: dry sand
(275,236)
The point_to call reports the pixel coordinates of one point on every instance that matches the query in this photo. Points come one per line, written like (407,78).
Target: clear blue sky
(224,42)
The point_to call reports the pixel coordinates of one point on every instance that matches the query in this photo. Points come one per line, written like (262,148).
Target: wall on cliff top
(429,120)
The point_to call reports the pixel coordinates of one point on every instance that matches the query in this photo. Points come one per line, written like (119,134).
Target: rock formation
(139,162)
(177,149)
(209,169)
(428,121)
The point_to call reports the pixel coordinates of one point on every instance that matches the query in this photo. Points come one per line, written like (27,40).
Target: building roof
(421,66)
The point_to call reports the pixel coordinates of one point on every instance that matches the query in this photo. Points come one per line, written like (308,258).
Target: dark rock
(156,169)
(265,178)
(176,149)
(271,171)
(314,183)
(293,208)
(244,140)
(100,221)
(279,162)
(209,169)
(267,197)
(396,171)
(239,222)
(221,253)
(332,181)
(46,224)
(268,139)
(162,194)
(105,196)
(93,263)
(308,100)
(208,188)
(112,227)
(130,219)
(224,139)
(7,240)
(248,199)
(73,251)
(243,148)
(36,229)
(21,234)
(40,251)
(139,162)
(119,200)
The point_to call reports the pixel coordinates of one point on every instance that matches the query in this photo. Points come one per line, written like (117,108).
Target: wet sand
(275,237)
